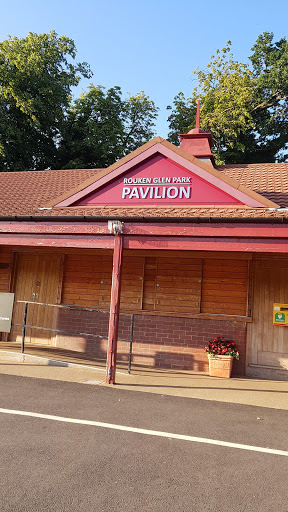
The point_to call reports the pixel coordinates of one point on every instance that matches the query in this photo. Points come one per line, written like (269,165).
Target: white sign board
(6,310)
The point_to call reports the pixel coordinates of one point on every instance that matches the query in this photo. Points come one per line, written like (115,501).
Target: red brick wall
(80,322)
(158,341)
(178,343)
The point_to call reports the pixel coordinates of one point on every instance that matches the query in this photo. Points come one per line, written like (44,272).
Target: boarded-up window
(224,287)
(149,285)
(160,284)
(87,280)
(132,283)
(173,285)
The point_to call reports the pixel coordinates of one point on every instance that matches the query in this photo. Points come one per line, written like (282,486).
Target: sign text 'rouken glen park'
(156,188)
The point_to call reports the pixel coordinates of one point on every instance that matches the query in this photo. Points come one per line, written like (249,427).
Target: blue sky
(149,45)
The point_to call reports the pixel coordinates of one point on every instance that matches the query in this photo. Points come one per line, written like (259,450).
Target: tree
(101,127)
(244,107)
(36,77)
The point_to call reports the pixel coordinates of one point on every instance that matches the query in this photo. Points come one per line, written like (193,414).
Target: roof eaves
(125,218)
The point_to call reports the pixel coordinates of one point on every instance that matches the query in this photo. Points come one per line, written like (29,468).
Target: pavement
(255,392)
(70,447)
(160,440)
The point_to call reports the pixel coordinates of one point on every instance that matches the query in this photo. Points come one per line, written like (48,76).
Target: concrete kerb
(45,361)
(263,393)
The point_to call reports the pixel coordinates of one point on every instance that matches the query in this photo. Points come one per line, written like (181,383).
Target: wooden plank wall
(159,284)
(269,343)
(149,284)
(5,268)
(132,283)
(225,286)
(5,274)
(87,280)
(178,285)
(174,281)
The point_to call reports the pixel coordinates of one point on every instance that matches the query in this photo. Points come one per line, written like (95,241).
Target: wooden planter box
(220,366)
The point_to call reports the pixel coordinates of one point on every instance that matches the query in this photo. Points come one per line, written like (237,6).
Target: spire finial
(197,125)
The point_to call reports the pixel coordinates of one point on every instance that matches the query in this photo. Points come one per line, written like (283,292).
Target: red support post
(114,310)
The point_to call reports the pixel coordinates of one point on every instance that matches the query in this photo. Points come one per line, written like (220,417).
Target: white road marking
(146,432)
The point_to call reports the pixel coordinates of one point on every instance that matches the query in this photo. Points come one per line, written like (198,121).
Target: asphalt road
(53,466)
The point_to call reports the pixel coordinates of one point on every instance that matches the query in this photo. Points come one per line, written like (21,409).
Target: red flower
(220,346)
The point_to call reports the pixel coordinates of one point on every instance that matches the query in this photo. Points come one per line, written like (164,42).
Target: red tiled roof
(269,180)
(25,193)
(22,193)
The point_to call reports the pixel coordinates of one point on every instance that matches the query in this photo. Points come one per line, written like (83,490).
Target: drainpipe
(114,227)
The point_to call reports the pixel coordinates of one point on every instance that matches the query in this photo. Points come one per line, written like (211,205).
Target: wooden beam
(161,243)
(272,245)
(114,310)
(148,228)
(83,242)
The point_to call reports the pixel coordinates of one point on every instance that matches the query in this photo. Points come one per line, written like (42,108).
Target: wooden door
(46,292)
(24,286)
(269,343)
(37,282)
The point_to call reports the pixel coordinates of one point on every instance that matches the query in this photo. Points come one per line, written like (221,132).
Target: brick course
(79,322)
(158,341)
(171,342)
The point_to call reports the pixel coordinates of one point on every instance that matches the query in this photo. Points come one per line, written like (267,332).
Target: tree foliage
(42,127)
(101,127)
(36,77)
(243,106)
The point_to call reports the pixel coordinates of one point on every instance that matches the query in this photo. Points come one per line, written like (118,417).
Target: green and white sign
(279,318)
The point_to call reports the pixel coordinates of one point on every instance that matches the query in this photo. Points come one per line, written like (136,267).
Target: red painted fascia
(97,242)
(214,229)
(50,227)
(203,244)
(223,244)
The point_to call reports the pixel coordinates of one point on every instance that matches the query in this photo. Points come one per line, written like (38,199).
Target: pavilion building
(153,256)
